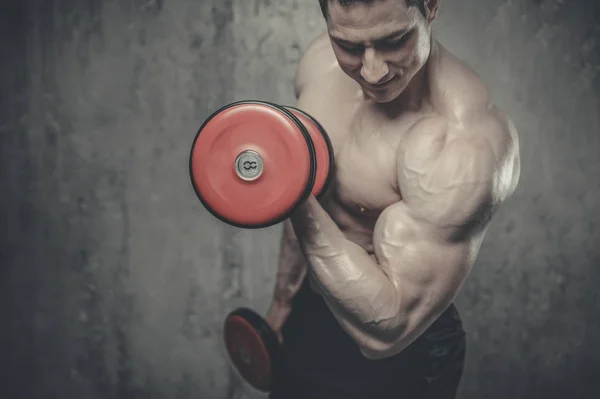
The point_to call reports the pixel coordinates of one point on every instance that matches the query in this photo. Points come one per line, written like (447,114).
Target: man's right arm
(291,267)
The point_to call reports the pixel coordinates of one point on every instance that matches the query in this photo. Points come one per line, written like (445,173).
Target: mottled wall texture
(114,280)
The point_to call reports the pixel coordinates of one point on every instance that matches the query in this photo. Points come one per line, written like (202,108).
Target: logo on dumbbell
(249,165)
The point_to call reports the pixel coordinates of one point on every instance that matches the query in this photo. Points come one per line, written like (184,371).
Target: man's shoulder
(464,101)
(457,91)
(317,62)
(466,122)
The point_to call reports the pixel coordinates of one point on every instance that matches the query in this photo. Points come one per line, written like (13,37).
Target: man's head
(381,44)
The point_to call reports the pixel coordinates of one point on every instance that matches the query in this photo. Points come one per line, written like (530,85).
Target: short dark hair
(420,4)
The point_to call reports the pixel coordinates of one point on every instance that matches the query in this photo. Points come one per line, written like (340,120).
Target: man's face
(381,45)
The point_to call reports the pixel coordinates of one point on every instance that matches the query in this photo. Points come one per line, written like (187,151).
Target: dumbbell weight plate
(252,347)
(252,163)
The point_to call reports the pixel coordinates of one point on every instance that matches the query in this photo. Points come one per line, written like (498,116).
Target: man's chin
(383,97)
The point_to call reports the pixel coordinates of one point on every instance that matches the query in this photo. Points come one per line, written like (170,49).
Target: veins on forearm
(351,281)
(291,268)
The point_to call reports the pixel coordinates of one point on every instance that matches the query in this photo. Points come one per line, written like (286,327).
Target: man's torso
(366,141)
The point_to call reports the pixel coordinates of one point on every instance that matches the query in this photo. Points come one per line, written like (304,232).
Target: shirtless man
(423,160)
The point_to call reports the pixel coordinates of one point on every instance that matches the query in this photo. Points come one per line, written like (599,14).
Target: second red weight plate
(323,150)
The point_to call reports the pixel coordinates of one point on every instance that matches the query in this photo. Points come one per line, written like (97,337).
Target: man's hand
(277,315)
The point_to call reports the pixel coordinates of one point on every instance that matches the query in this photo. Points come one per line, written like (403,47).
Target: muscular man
(367,275)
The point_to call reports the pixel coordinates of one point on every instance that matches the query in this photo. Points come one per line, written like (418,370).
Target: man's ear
(432,7)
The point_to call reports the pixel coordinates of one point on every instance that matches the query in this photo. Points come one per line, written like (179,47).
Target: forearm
(358,292)
(291,267)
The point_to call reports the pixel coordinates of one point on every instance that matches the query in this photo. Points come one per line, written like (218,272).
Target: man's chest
(365,152)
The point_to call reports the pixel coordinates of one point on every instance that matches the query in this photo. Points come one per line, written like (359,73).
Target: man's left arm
(425,245)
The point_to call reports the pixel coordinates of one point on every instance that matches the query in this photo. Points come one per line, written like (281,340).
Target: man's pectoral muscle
(425,245)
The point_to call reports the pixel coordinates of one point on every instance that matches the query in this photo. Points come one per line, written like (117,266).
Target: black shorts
(320,361)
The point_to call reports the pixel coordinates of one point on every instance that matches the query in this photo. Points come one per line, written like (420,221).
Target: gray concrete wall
(114,280)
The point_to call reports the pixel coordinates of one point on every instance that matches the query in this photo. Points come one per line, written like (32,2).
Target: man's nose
(374,68)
